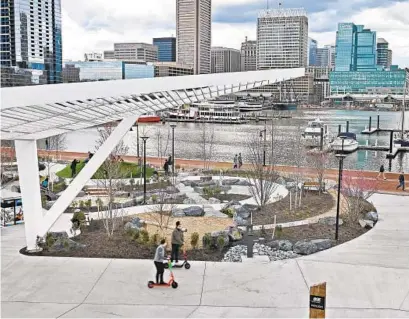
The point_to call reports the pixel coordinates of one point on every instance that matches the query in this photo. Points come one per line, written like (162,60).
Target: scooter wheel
(174,284)
(187,266)
(150,284)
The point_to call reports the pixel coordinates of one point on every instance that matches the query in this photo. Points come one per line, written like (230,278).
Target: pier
(369,130)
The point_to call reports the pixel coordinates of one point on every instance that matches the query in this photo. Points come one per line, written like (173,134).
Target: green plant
(154,198)
(278,231)
(132,182)
(78,219)
(155,239)
(207,240)
(99,203)
(81,204)
(144,236)
(74,204)
(220,242)
(88,204)
(229,212)
(194,239)
(49,240)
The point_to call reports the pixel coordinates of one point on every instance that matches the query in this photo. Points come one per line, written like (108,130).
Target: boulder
(243,182)
(330,221)
(213,200)
(189,201)
(214,239)
(205,178)
(240,221)
(230,181)
(186,183)
(177,212)
(202,184)
(59,235)
(305,247)
(135,223)
(194,211)
(280,180)
(232,204)
(284,245)
(243,212)
(368,224)
(171,190)
(65,244)
(373,216)
(198,190)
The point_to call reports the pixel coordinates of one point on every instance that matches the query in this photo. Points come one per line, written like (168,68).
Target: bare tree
(54,145)
(162,140)
(207,144)
(162,212)
(111,217)
(109,176)
(356,189)
(8,156)
(318,163)
(262,178)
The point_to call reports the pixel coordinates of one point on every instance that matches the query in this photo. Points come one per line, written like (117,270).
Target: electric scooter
(184,264)
(171,283)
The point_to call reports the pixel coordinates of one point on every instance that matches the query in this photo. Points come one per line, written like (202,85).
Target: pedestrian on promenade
(166,167)
(74,167)
(240,161)
(401,181)
(381,172)
(44,184)
(235,161)
(159,260)
(177,241)
(170,160)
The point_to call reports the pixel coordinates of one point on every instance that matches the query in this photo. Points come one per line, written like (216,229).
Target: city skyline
(232,20)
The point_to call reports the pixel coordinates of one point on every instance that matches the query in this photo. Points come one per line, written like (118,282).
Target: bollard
(391,142)
(370,123)
(347,130)
(322,139)
(250,241)
(377,122)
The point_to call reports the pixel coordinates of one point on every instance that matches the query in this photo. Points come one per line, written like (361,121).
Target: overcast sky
(94,25)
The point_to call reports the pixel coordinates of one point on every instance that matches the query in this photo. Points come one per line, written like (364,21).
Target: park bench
(315,186)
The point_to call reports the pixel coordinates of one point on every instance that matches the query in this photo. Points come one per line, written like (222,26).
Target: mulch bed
(312,204)
(228,197)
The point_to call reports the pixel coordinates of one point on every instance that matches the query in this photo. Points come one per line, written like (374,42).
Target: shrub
(81,204)
(220,242)
(74,204)
(99,203)
(144,236)
(229,212)
(155,239)
(88,204)
(154,198)
(207,240)
(78,219)
(279,231)
(194,239)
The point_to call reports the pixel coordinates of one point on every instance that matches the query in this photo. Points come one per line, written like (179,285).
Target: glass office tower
(31,42)
(166,49)
(312,52)
(355,48)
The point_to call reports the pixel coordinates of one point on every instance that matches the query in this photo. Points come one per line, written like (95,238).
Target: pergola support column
(27,161)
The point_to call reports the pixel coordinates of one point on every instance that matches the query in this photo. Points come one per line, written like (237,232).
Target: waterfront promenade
(388,186)
(367,277)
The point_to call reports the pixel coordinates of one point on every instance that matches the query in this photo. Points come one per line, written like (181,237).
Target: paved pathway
(367,277)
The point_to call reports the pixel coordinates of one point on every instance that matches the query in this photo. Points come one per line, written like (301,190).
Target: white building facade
(194,34)
(248,55)
(282,39)
(225,60)
(134,52)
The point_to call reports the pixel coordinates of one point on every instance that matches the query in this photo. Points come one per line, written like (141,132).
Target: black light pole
(137,140)
(144,138)
(341,164)
(173,148)
(264,145)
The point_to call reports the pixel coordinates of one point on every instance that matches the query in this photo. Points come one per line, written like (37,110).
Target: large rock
(206,178)
(240,221)
(135,223)
(202,184)
(177,212)
(214,239)
(59,235)
(232,204)
(189,201)
(171,190)
(330,221)
(234,233)
(368,224)
(280,181)
(244,182)
(213,200)
(243,212)
(373,216)
(194,211)
(284,245)
(305,247)
(230,181)
(63,243)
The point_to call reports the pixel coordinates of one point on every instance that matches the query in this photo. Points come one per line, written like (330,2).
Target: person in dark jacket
(166,167)
(401,181)
(159,260)
(74,167)
(177,241)
(381,172)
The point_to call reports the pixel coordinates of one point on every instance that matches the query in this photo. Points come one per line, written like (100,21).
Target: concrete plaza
(367,277)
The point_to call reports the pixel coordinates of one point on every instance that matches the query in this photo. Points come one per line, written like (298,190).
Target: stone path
(367,277)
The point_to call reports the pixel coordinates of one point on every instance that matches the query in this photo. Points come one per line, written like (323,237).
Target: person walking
(177,241)
(74,167)
(381,172)
(401,181)
(44,184)
(159,260)
(166,167)
(240,161)
(235,161)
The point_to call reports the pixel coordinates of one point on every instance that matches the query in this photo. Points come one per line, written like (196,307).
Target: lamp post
(137,140)
(173,148)
(144,138)
(264,143)
(341,165)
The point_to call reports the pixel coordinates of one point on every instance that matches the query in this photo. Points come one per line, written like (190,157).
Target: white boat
(345,143)
(312,134)
(249,107)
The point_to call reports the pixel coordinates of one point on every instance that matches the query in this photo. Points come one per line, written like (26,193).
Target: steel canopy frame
(28,115)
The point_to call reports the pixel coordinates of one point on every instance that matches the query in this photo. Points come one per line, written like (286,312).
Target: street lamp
(173,148)
(341,165)
(264,144)
(144,138)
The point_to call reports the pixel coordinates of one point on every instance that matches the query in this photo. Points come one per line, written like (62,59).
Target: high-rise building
(225,60)
(322,57)
(134,52)
(331,56)
(109,55)
(193,34)
(312,52)
(163,69)
(248,55)
(282,39)
(166,49)
(31,42)
(383,53)
(355,48)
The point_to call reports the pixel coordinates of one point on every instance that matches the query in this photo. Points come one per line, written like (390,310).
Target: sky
(94,25)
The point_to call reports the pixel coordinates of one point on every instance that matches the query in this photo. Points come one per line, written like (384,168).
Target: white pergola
(37,112)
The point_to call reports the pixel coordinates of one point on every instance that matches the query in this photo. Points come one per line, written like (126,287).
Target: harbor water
(229,140)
